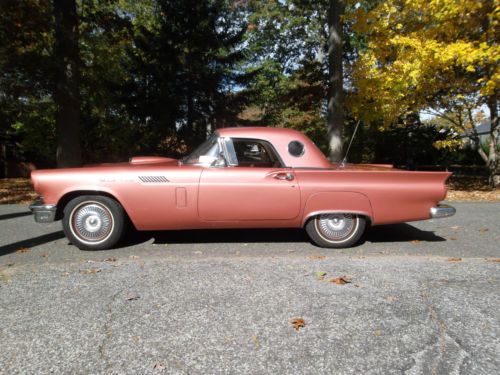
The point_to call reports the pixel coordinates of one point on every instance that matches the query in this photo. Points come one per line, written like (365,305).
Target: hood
(138,160)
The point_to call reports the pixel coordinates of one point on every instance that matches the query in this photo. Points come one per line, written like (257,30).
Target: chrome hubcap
(336,227)
(92,222)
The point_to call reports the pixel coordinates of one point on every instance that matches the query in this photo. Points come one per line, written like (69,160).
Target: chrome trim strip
(153,179)
(442,210)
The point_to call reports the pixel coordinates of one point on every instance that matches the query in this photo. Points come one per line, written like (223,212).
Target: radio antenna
(344,160)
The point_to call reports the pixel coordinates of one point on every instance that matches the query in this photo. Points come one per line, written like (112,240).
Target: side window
(206,154)
(296,148)
(255,153)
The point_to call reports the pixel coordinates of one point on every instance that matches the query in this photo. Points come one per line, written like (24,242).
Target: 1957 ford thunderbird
(238,178)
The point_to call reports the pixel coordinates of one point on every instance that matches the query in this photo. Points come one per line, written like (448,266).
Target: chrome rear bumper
(44,213)
(442,210)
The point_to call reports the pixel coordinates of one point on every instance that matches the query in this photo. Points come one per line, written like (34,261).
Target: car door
(255,186)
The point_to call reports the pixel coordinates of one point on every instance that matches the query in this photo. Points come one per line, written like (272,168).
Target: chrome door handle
(284,176)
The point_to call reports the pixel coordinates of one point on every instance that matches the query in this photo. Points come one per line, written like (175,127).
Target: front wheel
(336,230)
(93,222)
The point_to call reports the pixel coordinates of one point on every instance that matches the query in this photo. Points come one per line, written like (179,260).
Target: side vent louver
(153,179)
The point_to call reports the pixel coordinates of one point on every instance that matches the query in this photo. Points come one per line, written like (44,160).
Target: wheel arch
(312,215)
(67,197)
(337,202)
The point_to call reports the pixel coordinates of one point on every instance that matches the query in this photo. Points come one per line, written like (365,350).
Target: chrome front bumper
(44,213)
(442,210)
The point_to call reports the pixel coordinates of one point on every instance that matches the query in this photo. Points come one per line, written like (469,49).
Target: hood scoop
(150,160)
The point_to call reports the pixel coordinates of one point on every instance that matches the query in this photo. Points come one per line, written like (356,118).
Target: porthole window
(296,148)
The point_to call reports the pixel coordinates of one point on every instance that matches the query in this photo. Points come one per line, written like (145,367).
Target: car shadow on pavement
(217,236)
(384,233)
(14,215)
(31,242)
(400,233)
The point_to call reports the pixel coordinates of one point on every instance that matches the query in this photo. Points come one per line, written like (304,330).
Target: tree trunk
(335,110)
(193,136)
(493,157)
(66,91)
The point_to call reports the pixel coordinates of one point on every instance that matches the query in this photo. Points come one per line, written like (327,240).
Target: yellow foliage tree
(439,55)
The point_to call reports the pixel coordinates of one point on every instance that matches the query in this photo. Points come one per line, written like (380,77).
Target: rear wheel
(93,222)
(336,230)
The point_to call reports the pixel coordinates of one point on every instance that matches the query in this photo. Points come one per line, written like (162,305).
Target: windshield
(205,154)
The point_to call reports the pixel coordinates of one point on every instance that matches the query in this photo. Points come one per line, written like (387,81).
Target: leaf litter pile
(16,190)
(472,189)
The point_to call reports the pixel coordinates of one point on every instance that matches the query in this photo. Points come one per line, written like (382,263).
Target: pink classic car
(238,178)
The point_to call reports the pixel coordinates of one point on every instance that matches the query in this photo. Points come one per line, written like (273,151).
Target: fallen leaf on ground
(298,323)
(493,260)
(255,340)
(158,366)
(44,255)
(320,275)
(65,274)
(482,230)
(91,271)
(319,257)
(455,227)
(340,280)
(136,338)
(23,250)
(5,278)
(452,238)
(415,241)
(454,259)
(110,259)
(377,332)
(133,257)
(391,299)
(132,297)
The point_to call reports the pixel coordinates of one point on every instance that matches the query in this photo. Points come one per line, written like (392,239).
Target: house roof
(482,129)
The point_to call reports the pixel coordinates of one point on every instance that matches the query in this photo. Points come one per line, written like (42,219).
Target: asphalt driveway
(422,298)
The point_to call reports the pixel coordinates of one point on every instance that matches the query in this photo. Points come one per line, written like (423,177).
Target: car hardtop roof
(258,132)
(280,138)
